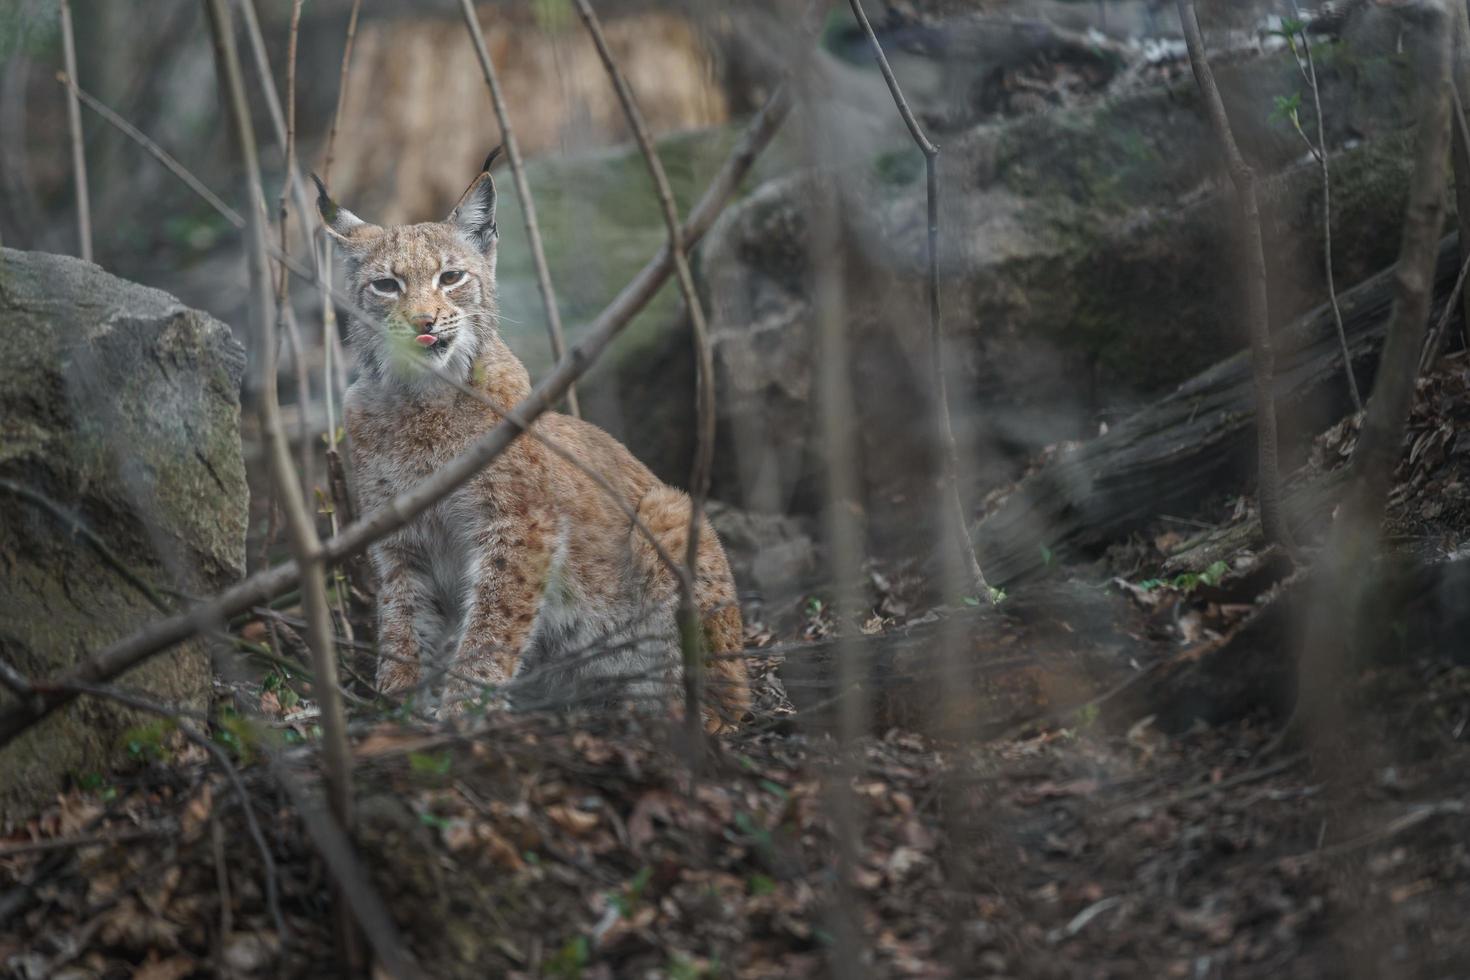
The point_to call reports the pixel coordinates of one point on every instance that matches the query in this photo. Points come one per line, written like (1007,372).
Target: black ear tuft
(474,215)
(346,227)
(324,202)
(490,160)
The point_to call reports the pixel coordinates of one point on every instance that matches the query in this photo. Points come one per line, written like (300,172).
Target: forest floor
(1074,839)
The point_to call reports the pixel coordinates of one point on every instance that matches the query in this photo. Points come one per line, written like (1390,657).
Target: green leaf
(760,884)
(431,764)
(775,789)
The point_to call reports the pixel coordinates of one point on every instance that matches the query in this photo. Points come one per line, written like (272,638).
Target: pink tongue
(427,339)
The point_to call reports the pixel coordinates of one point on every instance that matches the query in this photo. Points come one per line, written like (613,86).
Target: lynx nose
(422,321)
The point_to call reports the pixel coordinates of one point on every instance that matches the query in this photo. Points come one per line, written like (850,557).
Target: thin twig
(275,112)
(1263,365)
(304,541)
(1460,151)
(523,193)
(1353,541)
(285,316)
(1320,152)
(1417,815)
(264,585)
(944,426)
(1436,335)
(690,633)
(330,338)
(110,838)
(154,150)
(341,90)
(74,126)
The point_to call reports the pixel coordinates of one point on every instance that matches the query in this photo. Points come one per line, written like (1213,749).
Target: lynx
(529,579)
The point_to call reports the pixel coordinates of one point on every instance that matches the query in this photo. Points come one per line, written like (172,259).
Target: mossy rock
(119,413)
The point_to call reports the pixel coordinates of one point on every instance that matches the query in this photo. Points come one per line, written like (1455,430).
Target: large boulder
(122,487)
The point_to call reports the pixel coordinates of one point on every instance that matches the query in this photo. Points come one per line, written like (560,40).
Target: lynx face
(428,289)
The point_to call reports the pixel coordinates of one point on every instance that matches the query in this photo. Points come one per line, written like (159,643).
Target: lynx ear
(348,229)
(474,215)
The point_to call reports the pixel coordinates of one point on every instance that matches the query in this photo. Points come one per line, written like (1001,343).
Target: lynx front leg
(400,603)
(507,585)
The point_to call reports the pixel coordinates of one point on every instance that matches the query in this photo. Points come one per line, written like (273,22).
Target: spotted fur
(528,580)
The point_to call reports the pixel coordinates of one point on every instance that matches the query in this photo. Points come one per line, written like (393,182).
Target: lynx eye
(450,276)
(386,287)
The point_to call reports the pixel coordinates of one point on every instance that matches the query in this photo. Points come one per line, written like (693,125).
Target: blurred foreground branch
(304,543)
(690,631)
(1353,542)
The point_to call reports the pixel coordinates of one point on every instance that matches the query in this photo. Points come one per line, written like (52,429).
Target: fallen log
(1195,442)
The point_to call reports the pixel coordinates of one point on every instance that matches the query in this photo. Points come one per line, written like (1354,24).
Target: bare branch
(74,127)
(263,586)
(330,341)
(523,192)
(341,90)
(944,426)
(1319,151)
(1461,140)
(691,634)
(304,541)
(153,149)
(276,113)
(1273,520)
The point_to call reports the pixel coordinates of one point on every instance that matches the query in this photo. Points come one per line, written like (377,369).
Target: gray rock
(770,554)
(1086,268)
(119,413)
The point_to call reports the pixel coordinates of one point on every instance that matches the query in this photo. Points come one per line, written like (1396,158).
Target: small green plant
(681,967)
(568,962)
(145,742)
(760,884)
(1288,110)
(1087,716)
(433,820)
(94,782)
(899,167)
(813,607)
(436,764)
(626,901)
(1189,581)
